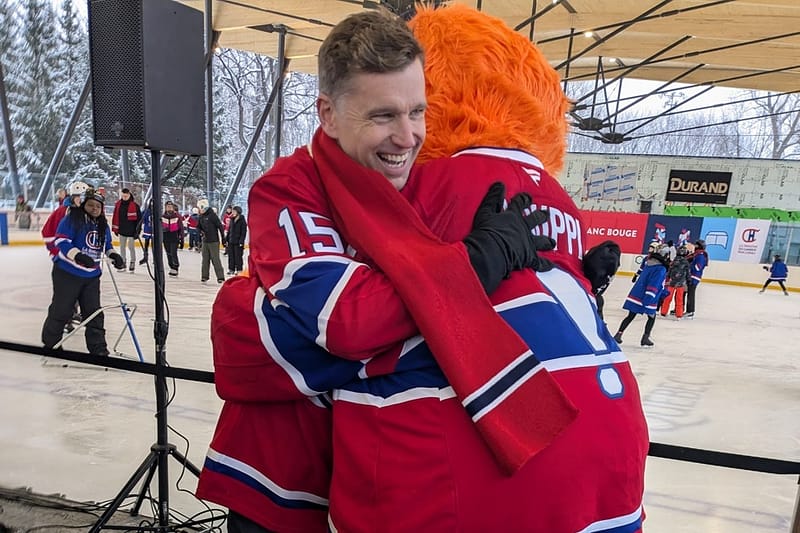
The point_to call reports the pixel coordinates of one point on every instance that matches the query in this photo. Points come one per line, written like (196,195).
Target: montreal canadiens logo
(93,240)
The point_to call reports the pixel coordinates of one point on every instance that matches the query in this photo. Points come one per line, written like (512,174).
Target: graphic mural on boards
(679,230)
(719,235)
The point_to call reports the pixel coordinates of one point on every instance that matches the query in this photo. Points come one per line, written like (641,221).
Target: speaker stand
(157,459)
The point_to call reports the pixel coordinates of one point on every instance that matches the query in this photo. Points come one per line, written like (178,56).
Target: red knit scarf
(517,406)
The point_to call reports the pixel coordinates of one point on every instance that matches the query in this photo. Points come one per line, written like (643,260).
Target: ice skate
(618,337)
(646,340)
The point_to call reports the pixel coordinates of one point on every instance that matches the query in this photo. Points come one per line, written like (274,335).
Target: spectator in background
(673,252)
(237,232)
(25,217)
(646,293)
(698,262)
(777,272)
(211,234)
(125,224)
(82,238)
(678,278)
(147,233)
(191,227)
(172,228)
(226,222)
(19,208)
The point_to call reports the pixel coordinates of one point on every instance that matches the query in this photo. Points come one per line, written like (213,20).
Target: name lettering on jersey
(563,228)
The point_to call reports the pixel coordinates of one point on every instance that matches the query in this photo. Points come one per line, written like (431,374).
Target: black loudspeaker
(148,75)
(645,206)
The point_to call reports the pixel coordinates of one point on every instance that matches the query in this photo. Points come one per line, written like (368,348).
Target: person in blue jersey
(647,292)
(698,262)
(147,233)
(777,272)
(82,237)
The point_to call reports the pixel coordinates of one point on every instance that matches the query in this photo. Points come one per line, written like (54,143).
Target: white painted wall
(754,182)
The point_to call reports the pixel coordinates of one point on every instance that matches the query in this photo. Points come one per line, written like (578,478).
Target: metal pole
(58,157)
(126,167)
(796,519)
(11,155)
(160,336)
(256,134)
(279,83)
(209,102)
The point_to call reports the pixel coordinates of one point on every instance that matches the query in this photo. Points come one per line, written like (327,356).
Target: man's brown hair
(374,41)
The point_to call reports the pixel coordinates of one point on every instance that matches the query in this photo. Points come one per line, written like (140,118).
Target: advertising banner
(679,230)
(626,229)
(719,235)
(749,239)
(699,187)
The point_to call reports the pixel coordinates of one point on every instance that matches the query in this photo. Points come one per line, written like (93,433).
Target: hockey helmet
(77,188)
(654,247)
(683,251)
(700,243)
(202,205)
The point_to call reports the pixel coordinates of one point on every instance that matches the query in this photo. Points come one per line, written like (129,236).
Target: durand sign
(700,187)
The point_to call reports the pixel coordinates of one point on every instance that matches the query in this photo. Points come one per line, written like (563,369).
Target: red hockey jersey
(409,456)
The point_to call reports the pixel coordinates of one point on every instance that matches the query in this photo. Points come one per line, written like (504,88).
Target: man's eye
(418,113)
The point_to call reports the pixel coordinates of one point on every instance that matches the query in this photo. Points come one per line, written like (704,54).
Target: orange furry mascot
(409,451)
(496,111)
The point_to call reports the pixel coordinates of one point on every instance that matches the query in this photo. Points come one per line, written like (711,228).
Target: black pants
(235,257)
(145,245)
(779,281)
(68,289)
(648,327)
(172,254)
(239,524)
(691,289)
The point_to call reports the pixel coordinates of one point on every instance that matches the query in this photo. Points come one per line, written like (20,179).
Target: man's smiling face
(379,121)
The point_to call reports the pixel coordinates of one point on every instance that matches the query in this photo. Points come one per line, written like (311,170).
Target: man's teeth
(394,159)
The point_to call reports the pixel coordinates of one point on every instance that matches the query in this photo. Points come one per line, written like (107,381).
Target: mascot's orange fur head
(488,86)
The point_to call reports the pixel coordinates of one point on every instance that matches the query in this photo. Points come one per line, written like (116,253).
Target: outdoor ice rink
(729,380)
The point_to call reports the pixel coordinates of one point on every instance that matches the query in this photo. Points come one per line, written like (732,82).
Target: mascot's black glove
(501,241)
(117,259)
(84,260)
(600,264)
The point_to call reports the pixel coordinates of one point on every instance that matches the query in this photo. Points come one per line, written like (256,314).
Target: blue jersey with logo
(85,238)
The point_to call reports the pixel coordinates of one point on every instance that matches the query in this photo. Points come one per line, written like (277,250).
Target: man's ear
(327,115)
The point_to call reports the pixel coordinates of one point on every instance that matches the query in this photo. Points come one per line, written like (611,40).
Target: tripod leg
(185,462)
(143,490)
(148,463)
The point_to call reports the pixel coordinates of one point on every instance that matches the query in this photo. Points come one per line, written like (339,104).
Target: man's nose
(405,132)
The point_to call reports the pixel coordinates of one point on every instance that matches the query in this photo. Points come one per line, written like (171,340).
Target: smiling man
(319,291)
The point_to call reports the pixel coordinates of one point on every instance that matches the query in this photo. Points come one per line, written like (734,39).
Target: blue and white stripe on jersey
(310,287)
(253,478)
(628,523)
(561,327)
(311,368)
